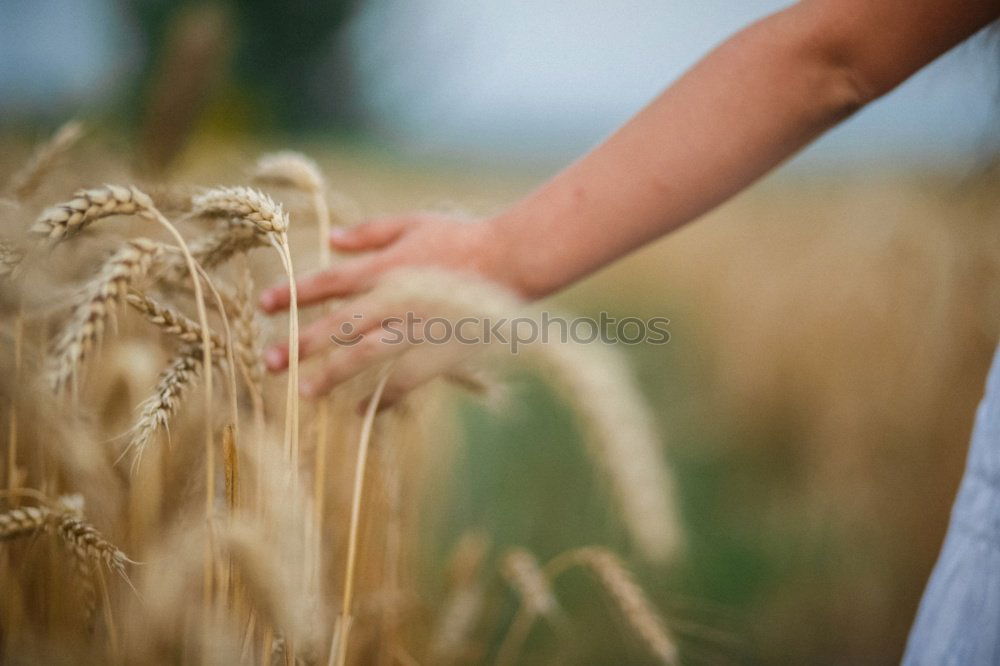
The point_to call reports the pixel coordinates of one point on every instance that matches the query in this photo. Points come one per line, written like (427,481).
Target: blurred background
(832,327)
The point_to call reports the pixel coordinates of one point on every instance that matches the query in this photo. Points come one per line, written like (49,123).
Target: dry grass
(270,554)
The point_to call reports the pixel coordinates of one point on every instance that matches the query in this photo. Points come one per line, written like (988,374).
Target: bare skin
(753,102)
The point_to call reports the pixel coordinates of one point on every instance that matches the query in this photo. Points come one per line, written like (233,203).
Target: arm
(750,104)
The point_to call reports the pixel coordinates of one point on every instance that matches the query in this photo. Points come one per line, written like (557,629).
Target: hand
(382,245)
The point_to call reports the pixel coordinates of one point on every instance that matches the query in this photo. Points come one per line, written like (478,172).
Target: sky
(552,77)
(538,80)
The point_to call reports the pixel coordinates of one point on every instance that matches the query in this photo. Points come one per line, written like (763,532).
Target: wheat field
(165,501)
(829,342)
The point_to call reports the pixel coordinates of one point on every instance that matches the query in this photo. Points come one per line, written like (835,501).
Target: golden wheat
(87,206)
(100,298)
(245,204)
(155,411)
(259,550)
(172,322)
(23,521)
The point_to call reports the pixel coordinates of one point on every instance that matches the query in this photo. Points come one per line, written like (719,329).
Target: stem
(206,359)
(323,408)
(12,434)
(292,399)
(359,481)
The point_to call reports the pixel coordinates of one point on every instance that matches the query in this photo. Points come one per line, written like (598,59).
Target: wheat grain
(215,249)
(68,219)
(155,411)
(23,521)
(171,321)
(26,181)
(243,203)
(127,266)
(259,210)
(87,543)
(246,330)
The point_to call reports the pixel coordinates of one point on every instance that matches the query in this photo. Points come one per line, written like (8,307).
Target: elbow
(848,78)
(848,90)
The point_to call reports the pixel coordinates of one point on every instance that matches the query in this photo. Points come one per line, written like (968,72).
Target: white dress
(959,617)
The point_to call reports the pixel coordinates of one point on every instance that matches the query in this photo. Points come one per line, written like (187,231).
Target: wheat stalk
(101,296)
(25,182)
(294,169)
(260,211)
(71,217)
(352,540)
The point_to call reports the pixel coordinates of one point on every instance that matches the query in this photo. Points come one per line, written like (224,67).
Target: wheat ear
(71,217)
(65,516)
(25,182)
(260,211)
(88,544)
(67,219)
(216,248)
(628,596)
(171,321)
(23,521)
(101,296)
(155,411)
(88,205)
(294,169)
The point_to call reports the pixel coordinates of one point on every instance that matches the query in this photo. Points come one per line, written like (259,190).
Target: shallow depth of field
(831,330)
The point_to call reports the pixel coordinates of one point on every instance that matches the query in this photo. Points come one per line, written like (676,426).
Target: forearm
(749,105)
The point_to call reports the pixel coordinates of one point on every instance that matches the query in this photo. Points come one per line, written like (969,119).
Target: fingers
(347,362)
(418,366)
(343,327)
(337,282)
(371,235)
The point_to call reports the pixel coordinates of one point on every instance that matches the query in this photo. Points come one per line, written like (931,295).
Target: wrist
(514,258)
